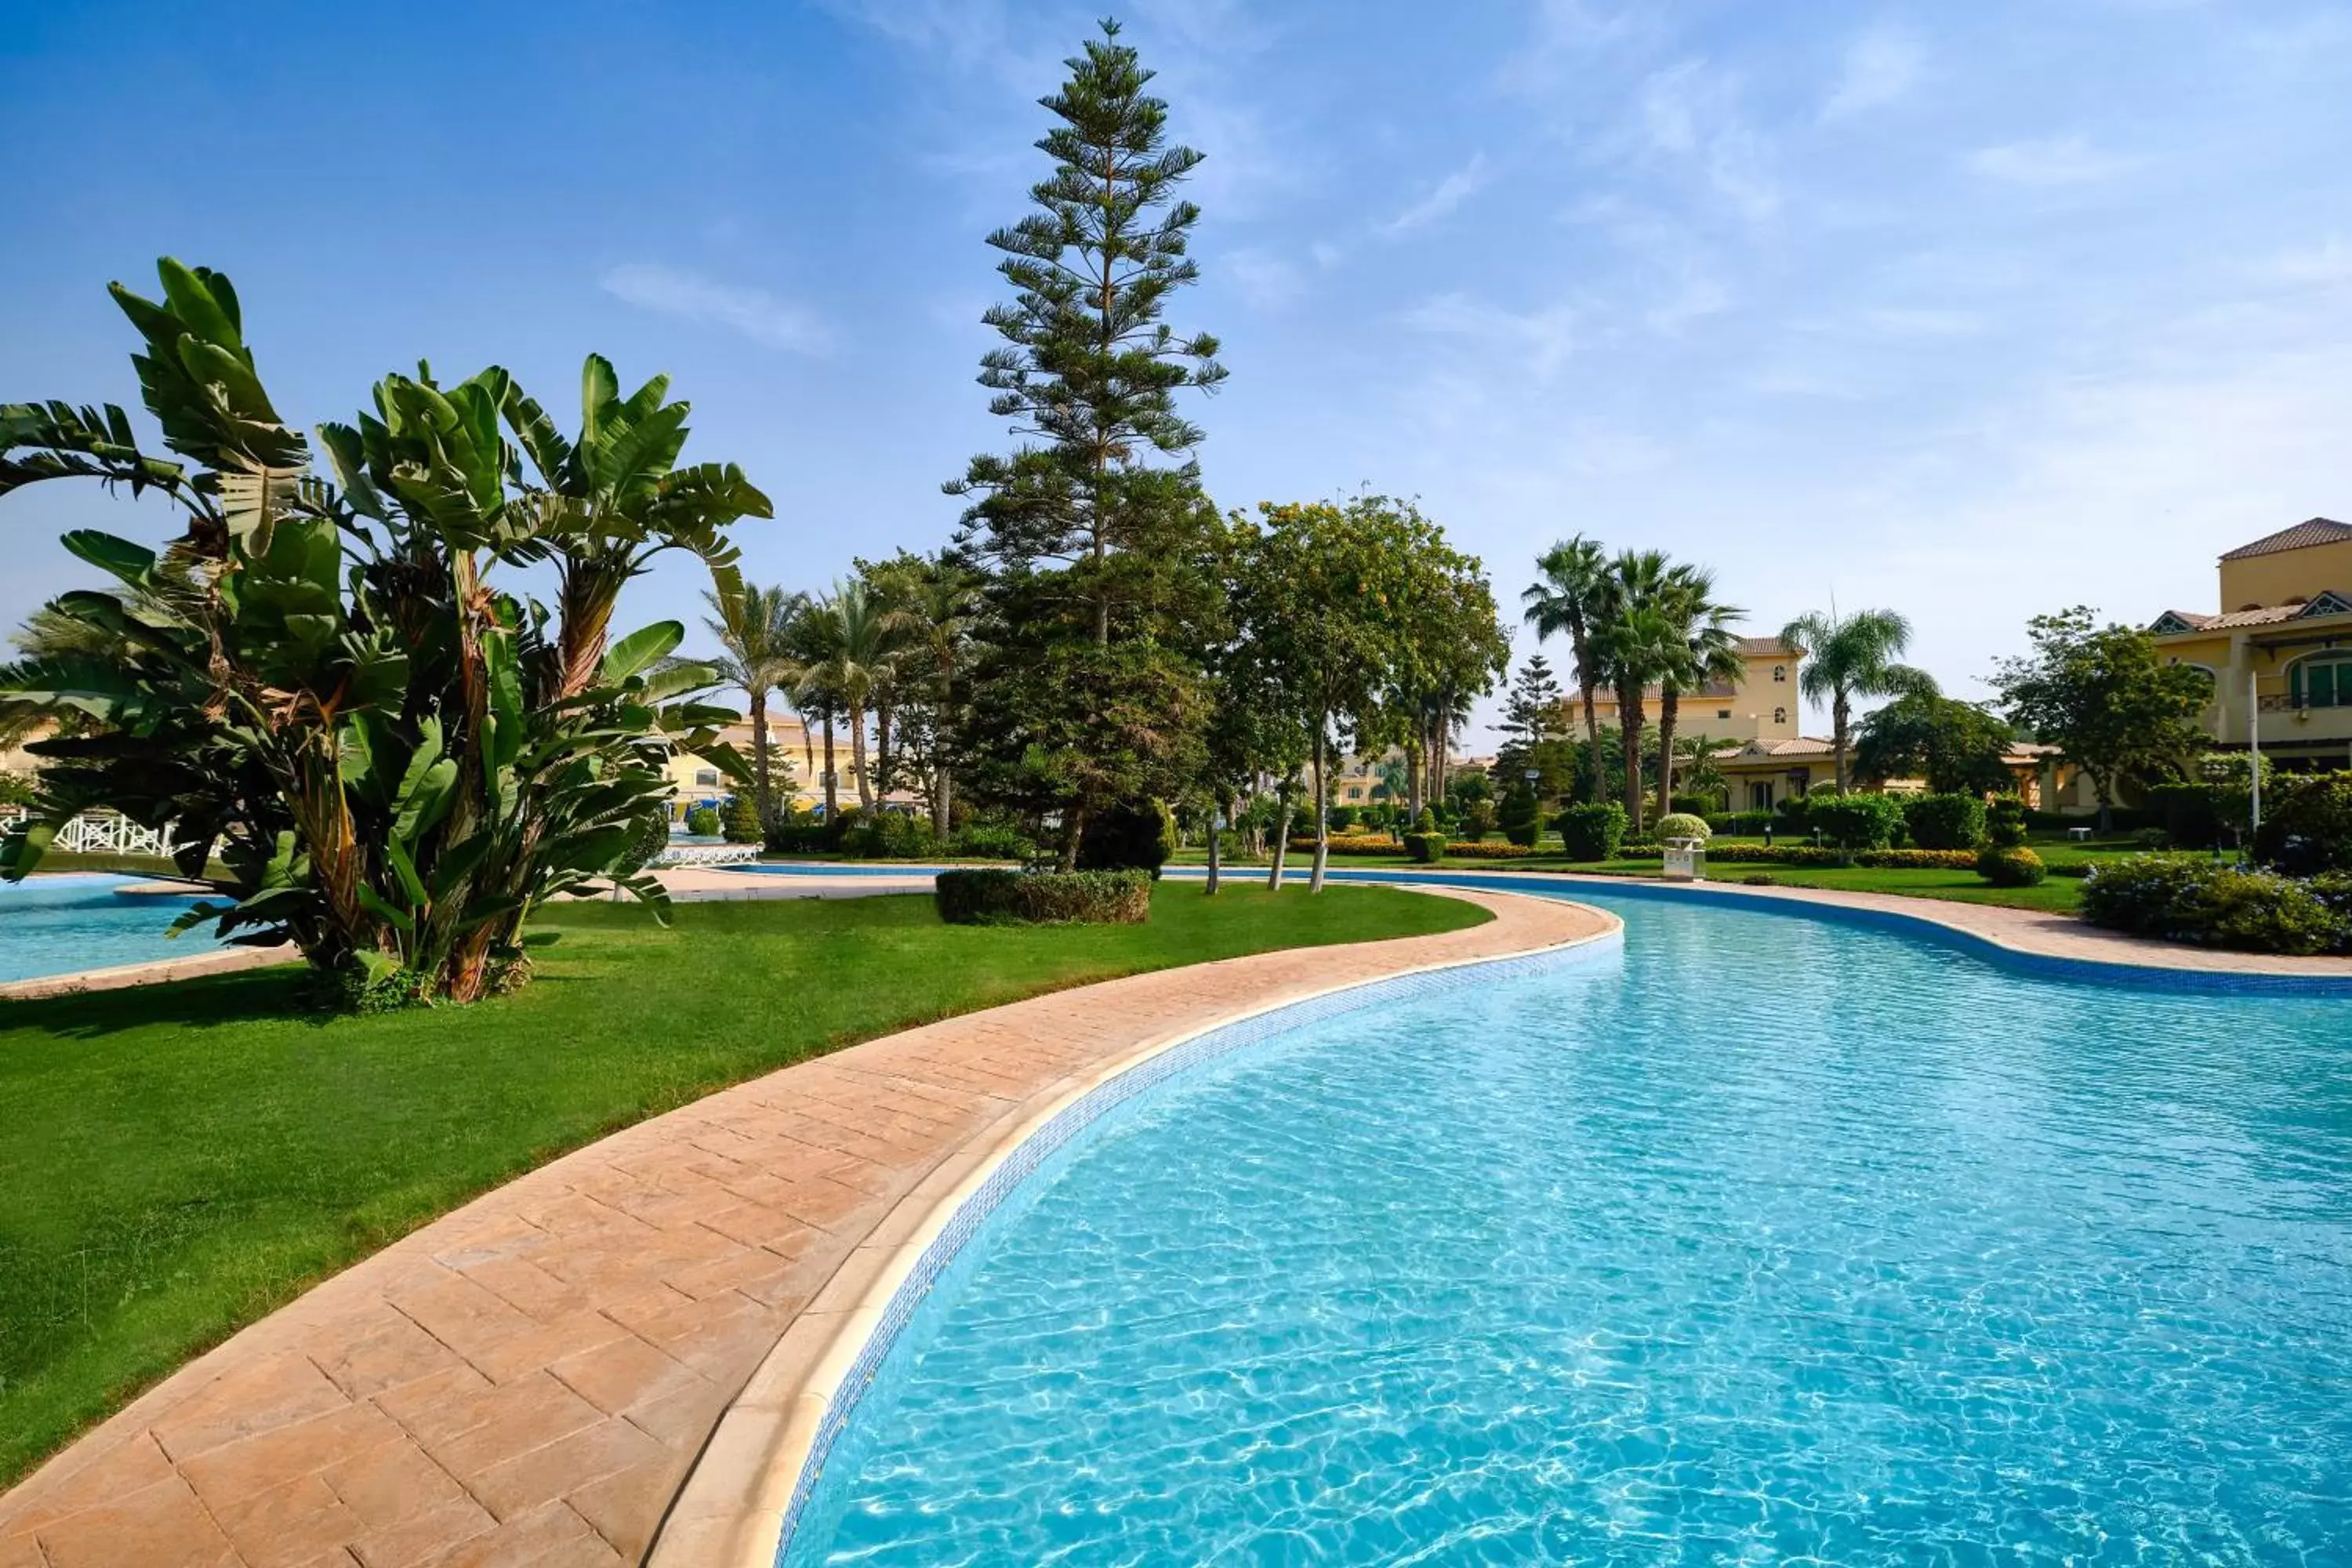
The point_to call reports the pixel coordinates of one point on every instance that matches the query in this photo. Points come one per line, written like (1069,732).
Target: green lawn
(178,1161)
(2056,893)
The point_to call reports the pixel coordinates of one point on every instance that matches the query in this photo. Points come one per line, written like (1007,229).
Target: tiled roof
(2318,531)
(1764,647)
(1802,746)
(2326,601)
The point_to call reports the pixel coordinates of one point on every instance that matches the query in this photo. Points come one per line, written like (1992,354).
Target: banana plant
(319,690)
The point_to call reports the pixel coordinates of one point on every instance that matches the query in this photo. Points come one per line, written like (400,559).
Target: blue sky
(1972,312)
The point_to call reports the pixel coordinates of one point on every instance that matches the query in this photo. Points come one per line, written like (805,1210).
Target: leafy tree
(1957,747)
(1847,656)
(936,603)
(2105,696)
(322,685)
(852,642)
(1571,598)
(1328,598)
(1640,636)
(755,633)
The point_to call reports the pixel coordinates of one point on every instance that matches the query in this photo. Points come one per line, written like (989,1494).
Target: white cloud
(1691,111)
(1697,298)
(1546,337)
(1266,280)
(1452,191)
(754,314)
(2057,161)
(1881,68)
(2323,265)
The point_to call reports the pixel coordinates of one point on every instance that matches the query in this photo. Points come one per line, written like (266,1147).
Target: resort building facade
(2279,647)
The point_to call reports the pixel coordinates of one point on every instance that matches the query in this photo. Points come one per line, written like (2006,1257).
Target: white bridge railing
(707,854)
(95,832)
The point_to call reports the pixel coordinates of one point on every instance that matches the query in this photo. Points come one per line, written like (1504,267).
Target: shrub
(1683,825)
(1740,824)
(2334,889)
(2012,866)
(1137,834)
(1426,822)
(991,841)
(1791,811)
(1353,844)
(1343,817)
(1855,821)
(1759,880)
(990,896)
(1426,847)
(889,836)
(2307,824)
(740,822)
(1520,814)
(1696,805)
(2190,815)
(2181,898)
(1944,821)
(702,822)
(2004,823)
(1489,851)
(16,789)
(1594,831)
(1479,821)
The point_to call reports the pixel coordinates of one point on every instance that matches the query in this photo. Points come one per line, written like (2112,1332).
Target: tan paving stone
(233,1472)
(248,1398)
(545,1538)
(425,1536)
(162,1526)
(516,1486)
(626,1372)
(290,1524)
(390,1483)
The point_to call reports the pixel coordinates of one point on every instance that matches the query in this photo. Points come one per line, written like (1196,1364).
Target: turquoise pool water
(57,925)
(1769,1240)
(833,869)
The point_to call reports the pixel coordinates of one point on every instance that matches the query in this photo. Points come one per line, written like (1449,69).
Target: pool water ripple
(1770,1242)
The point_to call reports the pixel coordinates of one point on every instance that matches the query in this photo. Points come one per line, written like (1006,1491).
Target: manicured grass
(179,1160)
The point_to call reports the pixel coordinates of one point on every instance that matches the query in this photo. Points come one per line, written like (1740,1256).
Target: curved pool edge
(740,1503)
(2023,941)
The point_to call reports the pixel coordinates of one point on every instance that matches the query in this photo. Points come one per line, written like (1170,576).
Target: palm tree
(755,631)
(855,645)
(1850,656)
(1707,651)
(1635,637)
(1572,599)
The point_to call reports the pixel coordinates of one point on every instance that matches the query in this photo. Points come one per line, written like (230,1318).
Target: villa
(2282,637)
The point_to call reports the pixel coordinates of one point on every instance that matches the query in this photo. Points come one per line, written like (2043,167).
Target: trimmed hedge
(2182,897)
(1855,821)
(1807,855)
(1426,847)
(1944,821)
(1351,844)
(1594,831)
(1136,835)
(989,896)
(1742,824)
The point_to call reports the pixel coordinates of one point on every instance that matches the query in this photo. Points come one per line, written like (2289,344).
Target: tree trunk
(1216,814)
(883,770)
(857,760)
(1592,731)
(1629,726)
(942,805)
(1838,712)
(1281,839)
(1412,781)
(1074,828)
(762,786)
(1322,808)
(1669,710)
(831,778)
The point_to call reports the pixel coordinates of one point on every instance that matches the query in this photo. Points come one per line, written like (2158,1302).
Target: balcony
(2282,702)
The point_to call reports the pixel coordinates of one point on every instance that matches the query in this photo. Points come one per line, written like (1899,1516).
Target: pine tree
(1096,529)
(1087,366)
(1531,714)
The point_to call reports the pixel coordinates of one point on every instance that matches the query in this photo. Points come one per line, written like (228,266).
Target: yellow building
(2279,647)
(1761,705)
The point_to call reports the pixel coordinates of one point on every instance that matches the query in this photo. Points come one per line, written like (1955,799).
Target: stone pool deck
(531,1379)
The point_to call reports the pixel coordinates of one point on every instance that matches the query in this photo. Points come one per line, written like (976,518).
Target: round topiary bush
(1593,831)
(702,822)
(1683,825)
(988,895)
(1137,834)
(740,821)
(2015,866)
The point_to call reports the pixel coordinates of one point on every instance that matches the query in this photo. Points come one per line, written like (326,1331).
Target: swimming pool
(62,924)
(1773,1239)
(834,868)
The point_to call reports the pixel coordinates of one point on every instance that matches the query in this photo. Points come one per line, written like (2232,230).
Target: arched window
(1779,715)
(2321,681)
(1781,672)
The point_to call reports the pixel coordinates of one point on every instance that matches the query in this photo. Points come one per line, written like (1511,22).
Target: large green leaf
(640,651)
(117,557)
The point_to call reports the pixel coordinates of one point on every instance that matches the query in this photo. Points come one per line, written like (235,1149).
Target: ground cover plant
(180,1159)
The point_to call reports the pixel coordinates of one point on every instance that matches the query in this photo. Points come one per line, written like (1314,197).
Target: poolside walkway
(528,1380)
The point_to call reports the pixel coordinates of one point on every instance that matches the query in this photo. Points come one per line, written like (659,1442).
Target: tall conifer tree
(1095,529)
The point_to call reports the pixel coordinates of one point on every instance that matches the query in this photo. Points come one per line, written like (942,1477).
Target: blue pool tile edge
(1023,1161)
